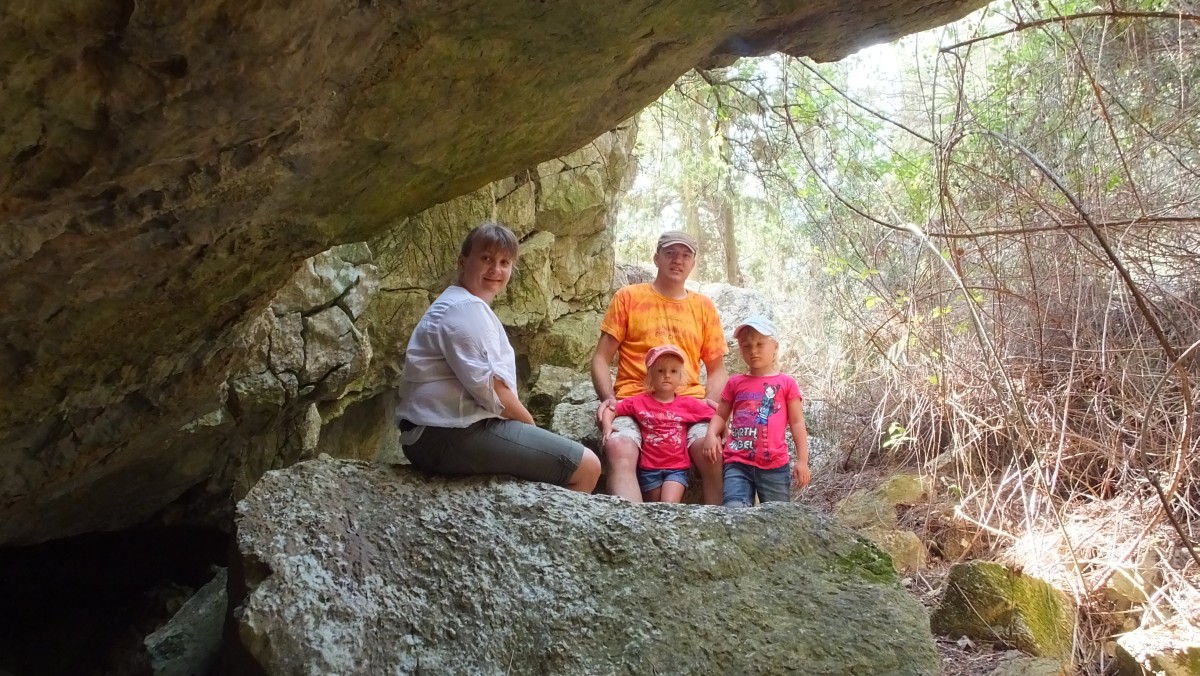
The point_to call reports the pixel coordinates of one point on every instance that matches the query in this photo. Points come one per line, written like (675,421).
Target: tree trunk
(733,274)
(691,214)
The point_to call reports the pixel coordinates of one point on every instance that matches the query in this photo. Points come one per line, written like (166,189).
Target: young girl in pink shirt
(748,427)
(662,418)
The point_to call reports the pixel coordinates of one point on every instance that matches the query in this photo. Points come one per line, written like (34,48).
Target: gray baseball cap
(678,237)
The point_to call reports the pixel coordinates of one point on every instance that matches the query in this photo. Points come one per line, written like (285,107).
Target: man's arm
(717,377)
(606,349)
(513,408)
(606,416)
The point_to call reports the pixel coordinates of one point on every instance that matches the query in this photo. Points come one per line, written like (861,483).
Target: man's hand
(801,475)
(609,404)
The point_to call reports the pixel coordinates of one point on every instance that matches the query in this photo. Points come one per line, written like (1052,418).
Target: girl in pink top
(758,407)
(662,418)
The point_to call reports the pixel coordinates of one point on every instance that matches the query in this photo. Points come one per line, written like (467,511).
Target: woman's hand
(513,408)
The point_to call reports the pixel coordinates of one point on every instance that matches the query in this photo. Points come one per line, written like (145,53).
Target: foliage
(991,249)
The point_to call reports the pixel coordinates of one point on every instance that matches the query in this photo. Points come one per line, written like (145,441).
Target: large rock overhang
(164,166)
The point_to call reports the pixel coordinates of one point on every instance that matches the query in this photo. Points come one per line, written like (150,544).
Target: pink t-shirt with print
(758,419)
(664,428)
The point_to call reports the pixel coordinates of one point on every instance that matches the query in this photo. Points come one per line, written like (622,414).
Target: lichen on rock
(355,568)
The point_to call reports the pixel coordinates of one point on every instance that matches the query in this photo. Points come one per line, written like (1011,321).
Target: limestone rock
(352,568)
(190,643)
(1019,664)
(1135,582)
(876,508)
(735,303)
(632,273)
(990,602)
(553,385)
(1171,649)
(577,422)
(905,548)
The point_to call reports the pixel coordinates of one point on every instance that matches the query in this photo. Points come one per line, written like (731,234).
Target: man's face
(675,262)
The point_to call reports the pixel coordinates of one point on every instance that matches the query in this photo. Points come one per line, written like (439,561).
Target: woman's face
(485,272)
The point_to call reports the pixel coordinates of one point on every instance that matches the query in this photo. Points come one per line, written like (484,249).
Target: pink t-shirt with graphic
(758,419)
(664,428)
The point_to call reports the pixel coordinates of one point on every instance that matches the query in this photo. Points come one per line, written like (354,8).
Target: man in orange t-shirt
(644,316)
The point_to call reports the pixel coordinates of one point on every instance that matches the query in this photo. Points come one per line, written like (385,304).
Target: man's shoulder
(701,299)
(641,289)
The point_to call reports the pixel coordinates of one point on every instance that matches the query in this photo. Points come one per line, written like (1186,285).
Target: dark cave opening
(83,605)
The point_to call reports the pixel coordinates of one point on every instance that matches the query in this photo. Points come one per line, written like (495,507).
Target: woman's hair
(491,235)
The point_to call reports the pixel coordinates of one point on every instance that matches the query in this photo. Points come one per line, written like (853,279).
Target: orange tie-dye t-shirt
(641,318)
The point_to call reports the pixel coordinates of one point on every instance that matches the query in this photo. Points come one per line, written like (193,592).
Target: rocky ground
(1098,530)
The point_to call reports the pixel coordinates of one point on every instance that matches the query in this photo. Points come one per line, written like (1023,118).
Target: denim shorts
(743,482)
(649,479)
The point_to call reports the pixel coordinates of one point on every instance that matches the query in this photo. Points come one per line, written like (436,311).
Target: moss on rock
(991,602)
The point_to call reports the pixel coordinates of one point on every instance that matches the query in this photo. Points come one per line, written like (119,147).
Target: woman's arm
(513,408)
(470,343)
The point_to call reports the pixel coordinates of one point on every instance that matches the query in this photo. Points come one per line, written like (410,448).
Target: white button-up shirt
(458,347)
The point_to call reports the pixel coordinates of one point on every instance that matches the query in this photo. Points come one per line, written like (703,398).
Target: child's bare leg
(652,494)
(672,491)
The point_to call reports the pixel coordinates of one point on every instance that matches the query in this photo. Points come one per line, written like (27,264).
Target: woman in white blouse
(459,412)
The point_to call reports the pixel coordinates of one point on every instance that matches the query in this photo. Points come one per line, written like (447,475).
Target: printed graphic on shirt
(767,407)
(663,428)
(750,422)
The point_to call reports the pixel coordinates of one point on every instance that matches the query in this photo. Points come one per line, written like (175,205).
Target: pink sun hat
(661,351)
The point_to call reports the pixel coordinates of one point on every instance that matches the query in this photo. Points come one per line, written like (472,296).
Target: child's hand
(800,475)
(712,448)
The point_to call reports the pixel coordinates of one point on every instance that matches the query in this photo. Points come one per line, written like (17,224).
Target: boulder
(190,642)
(903,546)
(1019,664)
(990,602)
(873,513)
(876,508)
(1169,649)
(352,568)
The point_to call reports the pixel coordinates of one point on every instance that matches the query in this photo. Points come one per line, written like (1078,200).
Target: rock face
(353,568)
(165,166)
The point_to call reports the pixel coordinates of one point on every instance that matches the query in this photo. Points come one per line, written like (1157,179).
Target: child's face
(666,375)
(758,351)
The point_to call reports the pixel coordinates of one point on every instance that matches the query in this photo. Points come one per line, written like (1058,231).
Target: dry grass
(1080,552)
